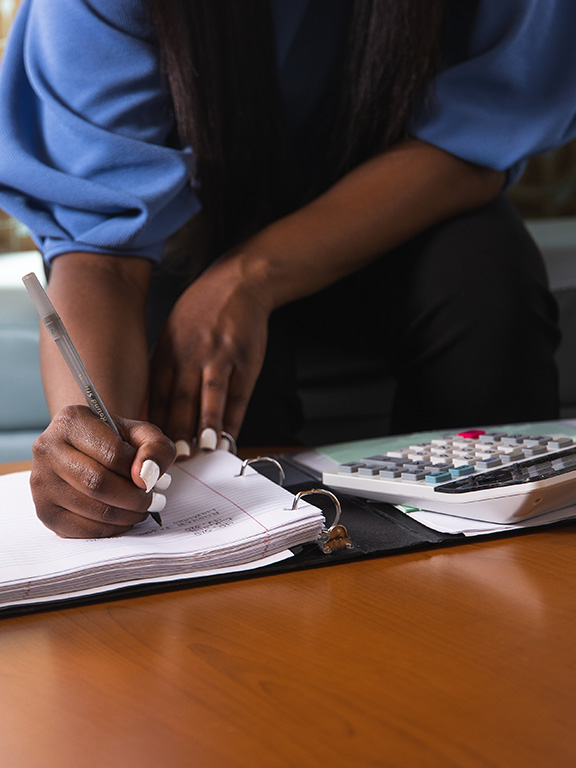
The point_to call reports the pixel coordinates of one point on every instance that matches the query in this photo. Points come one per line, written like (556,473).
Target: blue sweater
(85,118)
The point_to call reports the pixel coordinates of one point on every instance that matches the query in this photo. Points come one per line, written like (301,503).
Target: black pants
(461,318)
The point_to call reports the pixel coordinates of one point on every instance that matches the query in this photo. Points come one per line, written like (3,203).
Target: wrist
(248,270)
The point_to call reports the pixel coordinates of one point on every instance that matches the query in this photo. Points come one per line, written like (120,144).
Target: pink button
(472,434)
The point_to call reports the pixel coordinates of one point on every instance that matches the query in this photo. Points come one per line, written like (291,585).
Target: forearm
(101,300)
(381,204)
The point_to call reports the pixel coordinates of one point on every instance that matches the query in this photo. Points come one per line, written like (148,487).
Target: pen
(56,329)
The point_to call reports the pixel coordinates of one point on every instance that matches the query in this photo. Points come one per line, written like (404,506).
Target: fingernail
(182,448)
(150,473)
(224,444)
(227,442)
(157,503)
(208,439)
(163,482)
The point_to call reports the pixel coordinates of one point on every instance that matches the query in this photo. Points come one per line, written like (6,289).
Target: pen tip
(156,517)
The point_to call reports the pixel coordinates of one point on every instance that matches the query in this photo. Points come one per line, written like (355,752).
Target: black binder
(364,529)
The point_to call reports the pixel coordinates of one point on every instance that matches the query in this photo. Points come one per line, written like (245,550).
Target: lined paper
(215,521)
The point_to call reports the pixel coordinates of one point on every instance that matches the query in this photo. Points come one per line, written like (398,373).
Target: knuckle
(244,355)
(94,480)
(41,446)
(66,418)
(215,383)
(115,453)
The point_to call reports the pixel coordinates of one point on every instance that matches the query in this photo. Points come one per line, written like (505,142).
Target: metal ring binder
(233,446)
(336,536)
(277,464)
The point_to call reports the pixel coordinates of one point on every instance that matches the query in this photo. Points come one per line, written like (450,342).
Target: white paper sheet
(215,521)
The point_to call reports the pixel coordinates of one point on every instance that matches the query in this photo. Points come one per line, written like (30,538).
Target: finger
(71,523)
(183,410)
(82,468)
(240,391)
(91,479)
(154,453)
(174,398)
(71,509)
(215,392)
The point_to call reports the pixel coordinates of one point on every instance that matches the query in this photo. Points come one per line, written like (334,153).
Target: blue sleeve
(507,90)
(85,125)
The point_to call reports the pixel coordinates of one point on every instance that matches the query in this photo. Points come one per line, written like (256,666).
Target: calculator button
(438,477)
(419,456)
(515,455)
(492,437)
(464,469)
(390,474)
(514,439)
(559,442)
(441,442)
(534,450)
(413,475)
(441,458)
(350,466)
(489,463)
(441,466)
(472,434)
(487,445)
(415,466)
(462,461)
(369,469)
(483,453)
(531,442)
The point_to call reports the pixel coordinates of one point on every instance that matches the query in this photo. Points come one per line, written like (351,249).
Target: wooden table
(459,657)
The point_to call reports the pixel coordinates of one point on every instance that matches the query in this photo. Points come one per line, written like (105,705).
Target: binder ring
(233,446)
(277,464)
(325,533)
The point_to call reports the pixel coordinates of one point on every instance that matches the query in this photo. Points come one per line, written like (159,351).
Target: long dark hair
(219,57)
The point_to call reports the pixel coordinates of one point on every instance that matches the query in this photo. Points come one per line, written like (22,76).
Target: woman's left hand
(209,356)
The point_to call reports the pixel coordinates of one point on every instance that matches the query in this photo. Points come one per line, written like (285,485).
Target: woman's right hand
(86,481)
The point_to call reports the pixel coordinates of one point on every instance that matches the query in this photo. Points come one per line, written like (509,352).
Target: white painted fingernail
(208,439)
(163,482)
(182,448)
(150,473)
(227,442)
(224,444)
(157,503)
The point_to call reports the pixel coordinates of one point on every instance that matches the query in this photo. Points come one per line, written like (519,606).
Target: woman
(240,173)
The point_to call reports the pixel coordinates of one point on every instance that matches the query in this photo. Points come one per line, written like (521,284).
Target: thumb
(155,453)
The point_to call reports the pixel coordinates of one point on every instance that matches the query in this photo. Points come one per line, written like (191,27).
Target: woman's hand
(209,356)
(87,482)
(213,348)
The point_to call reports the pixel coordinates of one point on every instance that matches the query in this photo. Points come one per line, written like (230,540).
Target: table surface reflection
(455,657)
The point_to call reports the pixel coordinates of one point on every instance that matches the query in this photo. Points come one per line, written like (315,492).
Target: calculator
(493,476)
